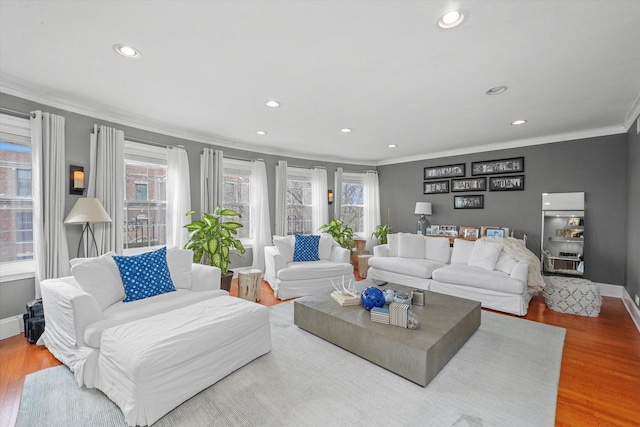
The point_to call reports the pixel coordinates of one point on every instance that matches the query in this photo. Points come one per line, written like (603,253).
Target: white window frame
(142,153)
(19,130)
(293,171)
(244,166)
(349,178)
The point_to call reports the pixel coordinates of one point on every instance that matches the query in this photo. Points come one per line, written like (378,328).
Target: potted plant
(381,233)
(212,240)
(341,233)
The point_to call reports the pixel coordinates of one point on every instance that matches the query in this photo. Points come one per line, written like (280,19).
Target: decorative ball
(372,297)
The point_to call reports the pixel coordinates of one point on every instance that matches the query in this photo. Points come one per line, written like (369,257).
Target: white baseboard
(607,290)
(632,308)
(11,326)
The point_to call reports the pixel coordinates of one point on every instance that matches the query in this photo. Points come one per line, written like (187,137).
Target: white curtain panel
(371,206)
(319,200)
(337,194)
(178,196)
(106,183)
(212,180)
(49,181)
(281,198)
(260,221)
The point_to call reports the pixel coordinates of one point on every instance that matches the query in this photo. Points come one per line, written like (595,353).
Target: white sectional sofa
(291,279)
(500,273)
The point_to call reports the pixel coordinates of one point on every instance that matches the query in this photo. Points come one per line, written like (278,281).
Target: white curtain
(211,179)
(260,221)
(178,196)
(281,198)
(49,181)
(319,200)
(337,194)
(371,206)
(106,183)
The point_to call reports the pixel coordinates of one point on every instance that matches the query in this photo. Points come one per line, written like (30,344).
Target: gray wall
(633,216)
(597,166)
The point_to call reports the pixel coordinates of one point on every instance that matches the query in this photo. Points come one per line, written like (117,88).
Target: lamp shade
(87,210)
(423,208)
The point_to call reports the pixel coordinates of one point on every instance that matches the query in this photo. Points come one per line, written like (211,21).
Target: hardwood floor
(599,378)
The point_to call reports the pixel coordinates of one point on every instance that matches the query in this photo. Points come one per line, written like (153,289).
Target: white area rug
(505,375)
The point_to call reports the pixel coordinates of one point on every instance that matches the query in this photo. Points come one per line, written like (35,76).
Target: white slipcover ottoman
(150,366)
(572,295)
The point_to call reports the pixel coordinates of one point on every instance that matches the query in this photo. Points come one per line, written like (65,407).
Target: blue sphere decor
(372,297)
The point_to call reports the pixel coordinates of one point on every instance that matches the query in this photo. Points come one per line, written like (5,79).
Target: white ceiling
(383,68)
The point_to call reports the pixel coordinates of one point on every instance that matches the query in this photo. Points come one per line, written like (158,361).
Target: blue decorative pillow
(306,248)
(144,275)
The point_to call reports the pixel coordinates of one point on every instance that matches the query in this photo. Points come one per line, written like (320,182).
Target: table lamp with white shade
(87,211)
(423,208)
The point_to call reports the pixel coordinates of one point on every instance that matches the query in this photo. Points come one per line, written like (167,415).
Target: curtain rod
(244,159)
(306,167)
(15,113)
(372,171)
(146,141)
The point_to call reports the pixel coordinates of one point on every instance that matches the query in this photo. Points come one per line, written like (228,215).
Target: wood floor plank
(599,377)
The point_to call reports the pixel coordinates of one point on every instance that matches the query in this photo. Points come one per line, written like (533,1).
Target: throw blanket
(517,249)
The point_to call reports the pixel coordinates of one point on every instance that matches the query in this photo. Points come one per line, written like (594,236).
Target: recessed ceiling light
(261,132)
(496,90)
(273,104)
(392,145)
(346,130)
(518,122)
(126,51)
(451,19)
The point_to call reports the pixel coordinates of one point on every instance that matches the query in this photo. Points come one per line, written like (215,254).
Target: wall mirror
(562,242)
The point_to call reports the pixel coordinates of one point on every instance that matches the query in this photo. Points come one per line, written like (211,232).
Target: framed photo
(506,183)
(493,167)
(435,187)
(469,184)
(573,222)
(434,230)
(449,171)
(468,202)
(469,232)
(492,232)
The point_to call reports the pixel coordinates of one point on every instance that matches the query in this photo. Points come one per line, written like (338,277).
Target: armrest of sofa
(340,255)
(381,250)
(520,272)
(273,261)
(69,310)
(205,277)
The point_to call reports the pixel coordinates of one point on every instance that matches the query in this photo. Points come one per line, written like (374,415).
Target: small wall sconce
(76,186)
(330,195)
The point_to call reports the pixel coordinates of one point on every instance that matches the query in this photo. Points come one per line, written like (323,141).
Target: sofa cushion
(392,244)
(100,278)
(506,262)
(467,275)
(306,248)
(179,262)
(461,251)
(485,254)
(325,246)
(411,245)
(145,275)
(421,268)
(437,249)
(314,270)
(285,245)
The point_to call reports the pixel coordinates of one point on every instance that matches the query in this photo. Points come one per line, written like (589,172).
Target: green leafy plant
(211,239)
(341,233)
(381,232)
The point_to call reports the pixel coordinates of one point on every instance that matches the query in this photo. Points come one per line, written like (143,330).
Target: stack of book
(380,315)
(398,314)
(345,299)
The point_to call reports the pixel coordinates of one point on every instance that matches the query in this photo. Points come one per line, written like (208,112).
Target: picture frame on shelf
(495,232)
(494,167)
(436,187)
(434,230)
(448,171)
(506,183)
(573,222)
(475,201)
(469,232)
(469,184)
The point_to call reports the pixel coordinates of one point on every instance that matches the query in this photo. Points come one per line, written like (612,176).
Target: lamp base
(423,223)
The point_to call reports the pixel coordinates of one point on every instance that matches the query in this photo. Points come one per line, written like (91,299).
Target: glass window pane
(299,205)
(237,197)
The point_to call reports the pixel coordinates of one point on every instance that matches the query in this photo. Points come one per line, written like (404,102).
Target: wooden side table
(363,265)
(249,282)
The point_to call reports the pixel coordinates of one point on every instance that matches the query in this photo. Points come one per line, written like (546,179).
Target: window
(237,193)
(145,196)
(352,202)
(16,200)
(299,202)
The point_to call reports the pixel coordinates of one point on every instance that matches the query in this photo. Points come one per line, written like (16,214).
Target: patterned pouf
(573,296)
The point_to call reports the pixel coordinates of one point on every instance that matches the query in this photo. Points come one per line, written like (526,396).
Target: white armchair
(290,279)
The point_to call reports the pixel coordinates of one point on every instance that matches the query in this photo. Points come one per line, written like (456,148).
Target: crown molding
(633,114)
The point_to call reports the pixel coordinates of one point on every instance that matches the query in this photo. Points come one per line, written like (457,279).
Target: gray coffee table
(446,323)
